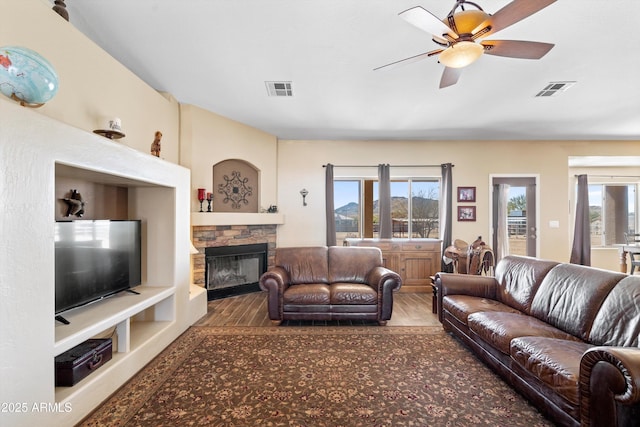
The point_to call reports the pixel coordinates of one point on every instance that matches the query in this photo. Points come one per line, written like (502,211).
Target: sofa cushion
(618,321)
(553,361)
(352,264)
(570,296)
(304,264)
(312,294)
(498,329)
(518,280)
(461,306)
(352,293)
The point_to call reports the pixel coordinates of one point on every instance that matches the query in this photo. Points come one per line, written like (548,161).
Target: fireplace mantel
(231,218)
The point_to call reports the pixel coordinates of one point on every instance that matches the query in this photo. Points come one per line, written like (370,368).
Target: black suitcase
(75,364)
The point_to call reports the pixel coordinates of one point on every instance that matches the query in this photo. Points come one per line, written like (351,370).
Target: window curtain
(329,204)
(502,226)
(446,213)
(384,201)
(581,249)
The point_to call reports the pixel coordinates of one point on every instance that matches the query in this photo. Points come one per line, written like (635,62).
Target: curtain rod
(393,166)
(611,176)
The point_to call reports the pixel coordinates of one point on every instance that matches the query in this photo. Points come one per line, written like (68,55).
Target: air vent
(279,88)
(554,88)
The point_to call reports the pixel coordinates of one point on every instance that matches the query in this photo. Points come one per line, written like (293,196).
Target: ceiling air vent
(553,88)
(279,88)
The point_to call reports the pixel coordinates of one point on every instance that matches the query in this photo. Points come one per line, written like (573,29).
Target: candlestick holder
(201,197)
(209,200)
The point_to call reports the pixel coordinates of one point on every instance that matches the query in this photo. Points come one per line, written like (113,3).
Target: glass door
(514,230)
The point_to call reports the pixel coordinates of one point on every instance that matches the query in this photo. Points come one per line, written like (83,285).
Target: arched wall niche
(236,186)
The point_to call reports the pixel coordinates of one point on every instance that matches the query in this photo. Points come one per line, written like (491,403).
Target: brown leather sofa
(565,336)
(330,283)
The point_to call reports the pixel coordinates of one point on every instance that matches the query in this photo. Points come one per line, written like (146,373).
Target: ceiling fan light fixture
(461,54)
(467,21)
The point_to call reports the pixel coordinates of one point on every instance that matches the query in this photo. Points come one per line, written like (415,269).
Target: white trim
(490,197)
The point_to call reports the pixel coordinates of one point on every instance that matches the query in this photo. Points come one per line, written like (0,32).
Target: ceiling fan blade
(516,48)
(409,60)
(450,76)
(513,12)
(426,21)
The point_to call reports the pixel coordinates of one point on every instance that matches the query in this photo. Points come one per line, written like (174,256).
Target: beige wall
(474,162)
(93,86)
(208,138)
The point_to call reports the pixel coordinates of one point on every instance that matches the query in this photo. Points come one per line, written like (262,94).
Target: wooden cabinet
(415,260)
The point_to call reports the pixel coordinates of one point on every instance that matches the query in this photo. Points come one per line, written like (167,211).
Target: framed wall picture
(466,213)
(467,194)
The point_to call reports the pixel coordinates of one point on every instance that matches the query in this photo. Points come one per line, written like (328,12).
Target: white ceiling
(217,54)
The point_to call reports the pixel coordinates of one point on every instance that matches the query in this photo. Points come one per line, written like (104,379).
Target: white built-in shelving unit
(135,319)
(35,152)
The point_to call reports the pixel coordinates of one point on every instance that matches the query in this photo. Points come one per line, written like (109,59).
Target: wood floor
(409,309)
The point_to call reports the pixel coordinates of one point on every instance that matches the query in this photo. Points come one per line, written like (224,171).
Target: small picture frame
(467,194)
(466,213)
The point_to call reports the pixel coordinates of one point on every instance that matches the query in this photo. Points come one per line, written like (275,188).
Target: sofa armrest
(464,284)
(385,282)
(380,277)
(275,281)
(610,386)
(274,277)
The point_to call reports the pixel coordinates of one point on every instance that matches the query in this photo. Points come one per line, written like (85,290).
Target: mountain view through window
(414,208)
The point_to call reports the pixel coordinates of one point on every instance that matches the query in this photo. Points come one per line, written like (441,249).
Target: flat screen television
(95,259)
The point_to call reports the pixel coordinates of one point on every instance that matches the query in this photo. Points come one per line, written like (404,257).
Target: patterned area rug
(315,376)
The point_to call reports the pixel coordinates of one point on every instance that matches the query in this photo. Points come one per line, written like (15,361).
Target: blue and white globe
(26,76)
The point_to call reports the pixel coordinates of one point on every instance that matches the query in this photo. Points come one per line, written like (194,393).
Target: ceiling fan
(458,32)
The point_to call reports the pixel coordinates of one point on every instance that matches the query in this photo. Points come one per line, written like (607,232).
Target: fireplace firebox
(234,270)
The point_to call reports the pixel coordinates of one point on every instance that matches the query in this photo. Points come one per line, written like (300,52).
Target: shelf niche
(132,320)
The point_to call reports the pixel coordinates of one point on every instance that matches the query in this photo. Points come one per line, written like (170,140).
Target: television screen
(95,259)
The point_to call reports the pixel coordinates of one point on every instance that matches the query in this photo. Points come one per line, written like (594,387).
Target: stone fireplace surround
(204,236)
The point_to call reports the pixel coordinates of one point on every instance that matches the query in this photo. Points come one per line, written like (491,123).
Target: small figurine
(155,147)
(75,204)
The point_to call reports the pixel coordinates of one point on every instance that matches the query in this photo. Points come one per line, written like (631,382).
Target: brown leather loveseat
(330,283)
(565,336)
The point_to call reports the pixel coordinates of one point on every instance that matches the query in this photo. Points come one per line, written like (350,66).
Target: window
(612,212)
(414,208)
(346,199)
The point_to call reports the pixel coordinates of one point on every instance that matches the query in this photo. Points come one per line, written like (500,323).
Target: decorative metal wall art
(304,192)
(235,190)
